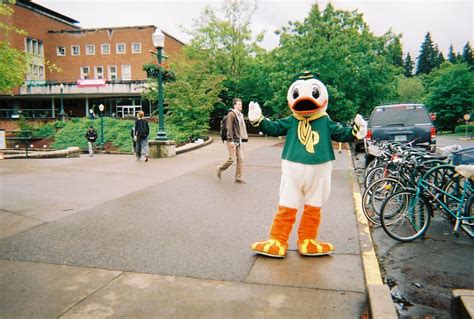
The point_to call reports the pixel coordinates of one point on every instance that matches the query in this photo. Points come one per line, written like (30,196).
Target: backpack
(224,126)
(141,128)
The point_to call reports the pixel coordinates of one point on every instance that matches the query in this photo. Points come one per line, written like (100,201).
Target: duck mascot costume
(306,164)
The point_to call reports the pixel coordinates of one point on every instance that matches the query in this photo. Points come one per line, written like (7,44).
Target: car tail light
(369,134)
(433,132)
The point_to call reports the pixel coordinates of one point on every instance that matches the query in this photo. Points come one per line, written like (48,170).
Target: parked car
(403,123)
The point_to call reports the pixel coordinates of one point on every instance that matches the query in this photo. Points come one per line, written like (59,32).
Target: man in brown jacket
(236,134)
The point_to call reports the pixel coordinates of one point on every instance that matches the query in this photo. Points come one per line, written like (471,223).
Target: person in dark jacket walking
(142,130)
(91,136)
(236,134)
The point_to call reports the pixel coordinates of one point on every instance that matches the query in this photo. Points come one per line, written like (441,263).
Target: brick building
(99,66)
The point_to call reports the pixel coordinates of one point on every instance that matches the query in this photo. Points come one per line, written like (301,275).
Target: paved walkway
(109,236)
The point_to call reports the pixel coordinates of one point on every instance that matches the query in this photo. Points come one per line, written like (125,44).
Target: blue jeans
(142,146)
(91,148)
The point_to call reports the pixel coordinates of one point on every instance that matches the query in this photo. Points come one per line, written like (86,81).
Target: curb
(380,300)
(75,151)
(72,151)
(193,146)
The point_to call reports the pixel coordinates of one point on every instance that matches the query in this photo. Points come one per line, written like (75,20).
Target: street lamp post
(101,109)
(159,43)
(62,114)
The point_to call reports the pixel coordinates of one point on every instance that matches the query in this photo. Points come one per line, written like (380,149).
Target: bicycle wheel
(375,195)
(405,216)
(372,164)
(374,174)
(455,188)
(469,208)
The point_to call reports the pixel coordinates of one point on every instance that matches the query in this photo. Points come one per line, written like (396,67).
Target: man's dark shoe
(146,158)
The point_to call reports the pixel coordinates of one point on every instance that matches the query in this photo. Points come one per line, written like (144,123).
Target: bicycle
(406,215)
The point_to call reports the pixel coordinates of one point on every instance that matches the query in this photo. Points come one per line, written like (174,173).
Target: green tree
(354,64)
(395,52)
(451,93)
(451,54)
(225,42)
(440,59)
(410,89)
(427,60)
(192,97)
(467,54)
(13,62)
(408,66)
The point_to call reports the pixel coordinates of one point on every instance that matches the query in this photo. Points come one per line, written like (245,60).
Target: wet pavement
(110,236)
(422,274)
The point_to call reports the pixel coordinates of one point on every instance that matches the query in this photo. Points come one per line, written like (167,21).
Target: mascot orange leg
(308,231)
(277,245)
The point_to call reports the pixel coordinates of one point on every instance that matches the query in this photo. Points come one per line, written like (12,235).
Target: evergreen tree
(451,54)
(437,57)
(408,65)
(441,58)
(467,54)
(428,56)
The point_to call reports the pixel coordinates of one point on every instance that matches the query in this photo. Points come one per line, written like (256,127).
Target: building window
(90,49)
(120,48)
(105,48)
(34,47)
(98,72)
(29,46)
(75,50)
(112,73)
(84,72)
(126,72)
(136,47)
(61,51)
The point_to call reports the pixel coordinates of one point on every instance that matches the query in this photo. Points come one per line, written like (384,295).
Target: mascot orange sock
(308,232)
(280,230)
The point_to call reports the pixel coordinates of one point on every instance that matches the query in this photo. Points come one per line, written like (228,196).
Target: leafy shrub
(462,128)
(44,131)
(116,131)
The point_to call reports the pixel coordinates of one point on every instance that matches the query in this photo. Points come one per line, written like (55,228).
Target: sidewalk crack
(91,294)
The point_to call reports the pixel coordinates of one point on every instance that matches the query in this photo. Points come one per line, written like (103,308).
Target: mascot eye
(315,92)
(296,93)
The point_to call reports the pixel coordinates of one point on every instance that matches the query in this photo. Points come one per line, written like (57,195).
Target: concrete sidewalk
(109,236)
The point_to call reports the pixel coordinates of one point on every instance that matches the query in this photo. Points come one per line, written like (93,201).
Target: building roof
(45,11)
(83,30)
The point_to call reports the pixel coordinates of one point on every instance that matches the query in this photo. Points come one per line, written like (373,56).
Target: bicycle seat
(466,170)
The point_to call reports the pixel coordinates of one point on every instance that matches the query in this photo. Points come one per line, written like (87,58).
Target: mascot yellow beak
(307,97)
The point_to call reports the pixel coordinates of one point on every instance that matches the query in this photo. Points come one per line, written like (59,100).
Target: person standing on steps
(236,135)
(142,130)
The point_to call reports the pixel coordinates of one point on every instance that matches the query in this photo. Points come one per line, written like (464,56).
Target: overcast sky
(448,21)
